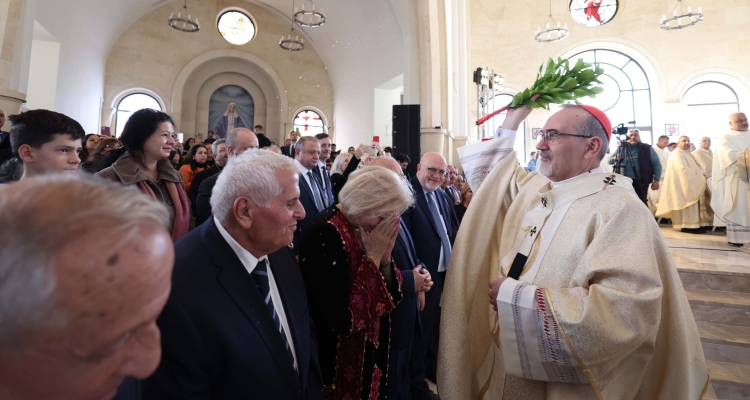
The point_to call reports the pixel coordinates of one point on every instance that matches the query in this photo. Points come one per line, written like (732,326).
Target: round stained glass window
(593,12)
(236,27)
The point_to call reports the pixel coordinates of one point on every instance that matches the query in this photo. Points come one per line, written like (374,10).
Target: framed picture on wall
(535,132)
(671,129)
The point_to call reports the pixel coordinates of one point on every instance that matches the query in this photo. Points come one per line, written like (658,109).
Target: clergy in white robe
(704,156)
(660,148)
(683,199)
(729,198)
(589,303)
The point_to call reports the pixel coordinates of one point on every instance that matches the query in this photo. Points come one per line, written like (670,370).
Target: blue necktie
(260,275)
(315,187)
(433,204)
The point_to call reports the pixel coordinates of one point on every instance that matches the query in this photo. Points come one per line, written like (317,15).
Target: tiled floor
(707,252)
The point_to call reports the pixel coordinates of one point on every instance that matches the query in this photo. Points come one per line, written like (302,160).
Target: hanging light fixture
(292,42)
(309,15)
(184,23)
(553,33)
(680,19)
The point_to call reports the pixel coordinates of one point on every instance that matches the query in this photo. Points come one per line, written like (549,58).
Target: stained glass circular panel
(236,27)
(593,12)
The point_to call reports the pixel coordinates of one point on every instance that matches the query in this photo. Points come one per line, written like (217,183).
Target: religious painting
(593,12)
(672,129)
(230,107)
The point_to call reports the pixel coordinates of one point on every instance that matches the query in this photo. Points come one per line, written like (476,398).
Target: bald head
(2,117)
(705,143)
(431,171)
(684,143)
(239,140)
(389,163)
(80,314)
(738,122)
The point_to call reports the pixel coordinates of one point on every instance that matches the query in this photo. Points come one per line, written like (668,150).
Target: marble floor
(708,252)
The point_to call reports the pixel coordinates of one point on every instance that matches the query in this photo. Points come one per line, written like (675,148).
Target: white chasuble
(729,195)
(685,193)
(615,321)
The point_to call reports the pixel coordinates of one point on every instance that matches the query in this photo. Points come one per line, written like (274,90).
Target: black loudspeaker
(406,134)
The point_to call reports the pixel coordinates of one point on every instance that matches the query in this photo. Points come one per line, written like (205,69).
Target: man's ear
(26,153)
(243,212)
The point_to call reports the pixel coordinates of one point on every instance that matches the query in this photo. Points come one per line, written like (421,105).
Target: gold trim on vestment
(705,387)
(483,391)
(570,346)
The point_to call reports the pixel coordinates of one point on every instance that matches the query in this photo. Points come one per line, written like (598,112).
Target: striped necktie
(260,275)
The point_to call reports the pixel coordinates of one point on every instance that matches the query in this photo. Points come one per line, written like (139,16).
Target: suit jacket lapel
(303,184)
(242,289)
(329,190)
(293,296)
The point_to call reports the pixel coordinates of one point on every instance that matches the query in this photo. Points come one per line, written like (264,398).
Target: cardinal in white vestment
(729,193)
(584,299)
(683,200)
(660,148)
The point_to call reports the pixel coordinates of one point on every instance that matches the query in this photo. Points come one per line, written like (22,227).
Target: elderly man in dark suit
(312,196)
(433,234)
(237,325)
(237,141)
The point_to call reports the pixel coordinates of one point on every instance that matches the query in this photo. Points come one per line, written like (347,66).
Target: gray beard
(544,168)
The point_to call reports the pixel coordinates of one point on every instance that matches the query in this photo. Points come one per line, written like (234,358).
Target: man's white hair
(215,146)
(251,174)
(39,218)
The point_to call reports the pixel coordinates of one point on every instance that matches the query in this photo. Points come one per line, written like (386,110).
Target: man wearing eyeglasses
(584,298)
(433,232)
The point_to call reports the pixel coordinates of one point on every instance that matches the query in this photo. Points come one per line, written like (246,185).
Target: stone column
(11,24)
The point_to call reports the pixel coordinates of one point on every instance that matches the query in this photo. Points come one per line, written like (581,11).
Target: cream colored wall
(501,37)
(181,68)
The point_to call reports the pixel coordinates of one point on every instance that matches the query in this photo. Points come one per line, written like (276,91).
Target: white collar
(248,260)
(597,170)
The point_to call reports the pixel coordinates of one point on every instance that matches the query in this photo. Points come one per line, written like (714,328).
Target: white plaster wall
(501,37)
(42,87)
(385,99)
(176,66)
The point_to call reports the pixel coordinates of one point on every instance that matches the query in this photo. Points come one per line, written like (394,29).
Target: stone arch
(738,82)
(205,67)
(109,108)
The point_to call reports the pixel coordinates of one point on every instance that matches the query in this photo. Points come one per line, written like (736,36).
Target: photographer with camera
(647,171)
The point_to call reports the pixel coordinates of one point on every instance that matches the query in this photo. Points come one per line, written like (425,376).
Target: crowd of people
(235,268)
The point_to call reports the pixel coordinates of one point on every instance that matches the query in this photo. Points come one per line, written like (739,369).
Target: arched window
(627,92)
(309,123)
(500,101)
(130,104)
(708,105)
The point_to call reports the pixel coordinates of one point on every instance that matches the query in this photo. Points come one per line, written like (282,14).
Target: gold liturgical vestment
(610,319)
(684,197)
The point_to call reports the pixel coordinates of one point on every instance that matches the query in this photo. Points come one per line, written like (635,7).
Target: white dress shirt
(302,170)
(250,262)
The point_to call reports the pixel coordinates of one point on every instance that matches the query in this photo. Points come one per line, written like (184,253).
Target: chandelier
(310,16)
(292,44)
(676,22)
(553,33)
(182,24)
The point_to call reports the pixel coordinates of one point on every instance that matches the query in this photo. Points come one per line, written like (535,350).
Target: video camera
(621,131)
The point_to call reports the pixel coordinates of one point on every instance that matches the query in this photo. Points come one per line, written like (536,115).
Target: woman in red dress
(352,282)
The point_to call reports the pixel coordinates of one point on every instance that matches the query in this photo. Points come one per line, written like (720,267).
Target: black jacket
(218,339)
(195,186)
